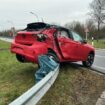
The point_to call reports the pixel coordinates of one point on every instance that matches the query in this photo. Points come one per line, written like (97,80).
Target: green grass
(73,86)
(4,44)
(98,44)
(15,77)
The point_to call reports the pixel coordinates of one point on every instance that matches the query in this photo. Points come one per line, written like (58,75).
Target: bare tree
(90,25)
(98,12)
(76,26)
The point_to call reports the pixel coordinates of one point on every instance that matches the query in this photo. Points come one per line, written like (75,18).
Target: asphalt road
(6,39)
(99,61)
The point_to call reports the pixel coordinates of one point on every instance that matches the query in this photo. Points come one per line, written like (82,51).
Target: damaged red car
(61,44)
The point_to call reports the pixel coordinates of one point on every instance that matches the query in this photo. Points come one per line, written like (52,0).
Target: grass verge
(99,44)
(72,87)
(75,87)
(4,45)
(15,77)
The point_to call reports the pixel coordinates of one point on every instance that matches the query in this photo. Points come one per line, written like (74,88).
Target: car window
(63,34)
(70,35)
(77,37)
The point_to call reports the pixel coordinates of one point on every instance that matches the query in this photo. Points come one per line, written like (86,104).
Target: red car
(61,44)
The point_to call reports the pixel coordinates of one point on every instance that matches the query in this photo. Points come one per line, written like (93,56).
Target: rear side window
(63,34)
(77,37)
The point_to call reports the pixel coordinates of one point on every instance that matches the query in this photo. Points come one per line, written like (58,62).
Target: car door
(66,45)
(80,49)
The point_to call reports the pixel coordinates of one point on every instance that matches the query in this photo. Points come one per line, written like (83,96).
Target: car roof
(42,25)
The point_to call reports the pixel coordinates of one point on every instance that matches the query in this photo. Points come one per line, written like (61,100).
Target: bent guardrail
(33,95)
(47,65)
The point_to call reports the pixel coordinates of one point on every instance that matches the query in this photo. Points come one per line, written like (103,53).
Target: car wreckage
(59,43)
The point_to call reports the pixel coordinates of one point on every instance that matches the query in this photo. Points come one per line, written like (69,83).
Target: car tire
(89,61)
(53,56)
(20,58)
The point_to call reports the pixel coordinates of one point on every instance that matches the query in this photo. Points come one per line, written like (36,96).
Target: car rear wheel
(20,58)
(89,61)
(53,56)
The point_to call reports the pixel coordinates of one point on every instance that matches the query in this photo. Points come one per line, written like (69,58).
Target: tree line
(92,29)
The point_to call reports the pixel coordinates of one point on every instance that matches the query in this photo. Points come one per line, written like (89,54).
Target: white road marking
(100,56)
(98,67)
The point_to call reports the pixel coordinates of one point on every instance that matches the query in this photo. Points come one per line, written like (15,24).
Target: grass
(74,86)
(98,44)
(15,77)
(4,45)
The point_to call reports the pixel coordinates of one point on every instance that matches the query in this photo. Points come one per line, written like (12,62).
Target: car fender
(40,48)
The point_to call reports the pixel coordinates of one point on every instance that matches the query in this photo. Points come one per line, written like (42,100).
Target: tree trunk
(98,26)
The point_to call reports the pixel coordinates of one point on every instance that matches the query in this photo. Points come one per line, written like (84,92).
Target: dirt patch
(87,87)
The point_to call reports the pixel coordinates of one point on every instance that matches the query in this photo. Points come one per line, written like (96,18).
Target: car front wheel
(89,61)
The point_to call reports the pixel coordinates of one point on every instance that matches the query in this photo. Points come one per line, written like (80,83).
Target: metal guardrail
(33,95)
(47,65)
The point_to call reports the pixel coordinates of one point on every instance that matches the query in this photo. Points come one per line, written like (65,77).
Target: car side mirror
(84,41)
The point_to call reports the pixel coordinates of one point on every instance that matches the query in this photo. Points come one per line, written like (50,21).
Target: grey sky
(59,11)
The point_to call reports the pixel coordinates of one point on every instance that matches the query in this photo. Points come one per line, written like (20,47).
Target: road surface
(99,61)
(6,39)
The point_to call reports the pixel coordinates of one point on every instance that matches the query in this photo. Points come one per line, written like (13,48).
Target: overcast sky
(17,12)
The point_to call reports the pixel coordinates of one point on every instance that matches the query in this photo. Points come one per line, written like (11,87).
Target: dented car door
(67,45)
